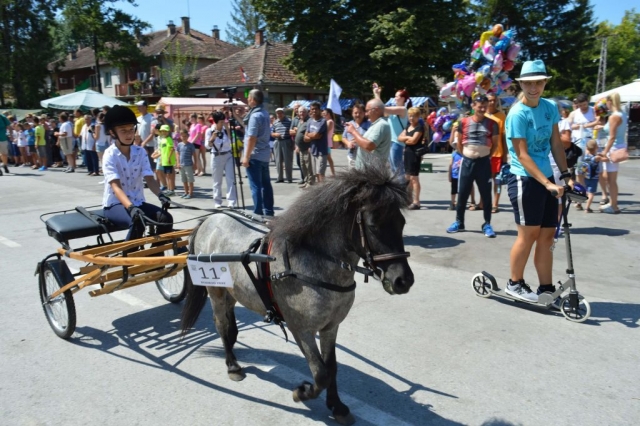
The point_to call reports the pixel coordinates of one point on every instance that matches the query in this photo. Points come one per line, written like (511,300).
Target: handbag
(619,155)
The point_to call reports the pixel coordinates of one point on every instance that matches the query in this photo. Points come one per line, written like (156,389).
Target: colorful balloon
(497,30)
(507,65)
(488,51)
(512,52)
(497,64)
(447,90)
(437,137)
(485,37)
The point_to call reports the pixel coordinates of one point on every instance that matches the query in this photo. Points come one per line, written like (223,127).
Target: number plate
(211,274)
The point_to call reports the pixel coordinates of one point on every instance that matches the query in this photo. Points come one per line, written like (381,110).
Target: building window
(107,79)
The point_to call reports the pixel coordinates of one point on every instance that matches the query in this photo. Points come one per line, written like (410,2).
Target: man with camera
(283,146)
(221,160)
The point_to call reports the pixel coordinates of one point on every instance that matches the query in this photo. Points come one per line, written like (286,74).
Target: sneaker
(163,188)
(455,227)
(42,169)
(452,206)
(187,197)
(169,193)
(70,170)
(487,230)
(217,206)
(556,303)
(609,209)
(520,290)
(183,195)
(6,169)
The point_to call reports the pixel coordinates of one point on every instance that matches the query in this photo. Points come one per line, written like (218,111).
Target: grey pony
(321,223)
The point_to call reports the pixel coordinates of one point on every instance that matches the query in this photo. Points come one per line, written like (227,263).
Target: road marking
(7,242)
(131,300)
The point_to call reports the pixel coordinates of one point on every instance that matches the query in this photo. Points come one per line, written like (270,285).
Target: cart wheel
(481,285)
(580,314)
(173,288)
(60,311)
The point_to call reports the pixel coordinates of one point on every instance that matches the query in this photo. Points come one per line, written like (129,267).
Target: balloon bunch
(601,109)
(492,57)
(442,123)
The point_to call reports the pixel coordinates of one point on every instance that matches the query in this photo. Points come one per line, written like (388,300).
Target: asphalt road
(437,356)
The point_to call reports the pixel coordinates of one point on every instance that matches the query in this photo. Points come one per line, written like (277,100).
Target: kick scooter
(573,305)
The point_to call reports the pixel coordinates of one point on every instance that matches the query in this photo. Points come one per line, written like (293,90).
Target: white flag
(334,98)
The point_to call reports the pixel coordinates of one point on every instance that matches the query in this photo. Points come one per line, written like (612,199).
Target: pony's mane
(372,188)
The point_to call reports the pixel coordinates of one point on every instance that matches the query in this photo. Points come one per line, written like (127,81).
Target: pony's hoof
(300,393)
(237,376)
(346,420)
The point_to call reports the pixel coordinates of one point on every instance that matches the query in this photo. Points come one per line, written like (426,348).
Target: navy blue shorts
(533,204)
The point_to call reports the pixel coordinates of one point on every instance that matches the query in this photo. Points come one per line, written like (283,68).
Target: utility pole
(602,67)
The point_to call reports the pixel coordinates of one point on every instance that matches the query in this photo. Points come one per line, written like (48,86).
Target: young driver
(125,166)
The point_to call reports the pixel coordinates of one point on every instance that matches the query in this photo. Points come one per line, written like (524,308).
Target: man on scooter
(532,131)
(124,166)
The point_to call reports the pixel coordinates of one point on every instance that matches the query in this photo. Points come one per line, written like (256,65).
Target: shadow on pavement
(625,313)
(154,337)
(431,241)
(597,230)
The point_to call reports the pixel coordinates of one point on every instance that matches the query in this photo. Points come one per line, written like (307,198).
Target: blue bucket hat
(533,70)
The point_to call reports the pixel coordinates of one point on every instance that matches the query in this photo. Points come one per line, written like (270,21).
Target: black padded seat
(69,226)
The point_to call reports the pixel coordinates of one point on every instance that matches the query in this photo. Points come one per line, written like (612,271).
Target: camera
(220,135)
(230,92)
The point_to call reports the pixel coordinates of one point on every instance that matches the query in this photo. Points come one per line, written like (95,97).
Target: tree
(112,34)
(623,58)
(397,43)
(178,75)
(25,49)
(560,32)
(245,21)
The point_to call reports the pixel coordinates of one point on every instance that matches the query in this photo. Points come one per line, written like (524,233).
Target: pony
(319,241)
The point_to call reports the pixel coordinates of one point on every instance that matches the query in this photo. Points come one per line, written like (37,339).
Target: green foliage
(178,74)
(623,59)
(25,49)
(245,21)
(398,43)
(111,33)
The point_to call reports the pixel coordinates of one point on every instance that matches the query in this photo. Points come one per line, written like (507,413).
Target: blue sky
(207,13)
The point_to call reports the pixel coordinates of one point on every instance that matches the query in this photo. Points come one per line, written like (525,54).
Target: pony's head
(364,210)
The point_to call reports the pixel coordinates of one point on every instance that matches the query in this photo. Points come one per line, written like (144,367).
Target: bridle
(371,260)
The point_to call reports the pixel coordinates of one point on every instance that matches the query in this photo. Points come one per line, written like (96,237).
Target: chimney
(171,28)
(72,54)
(185,25)
(215,32)
(259,37)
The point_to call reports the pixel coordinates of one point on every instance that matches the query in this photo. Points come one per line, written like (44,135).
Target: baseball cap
(160,108)
(165,128)
(279,109)
(141,103)
(480,98)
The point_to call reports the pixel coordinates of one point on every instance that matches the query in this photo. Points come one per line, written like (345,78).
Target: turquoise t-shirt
(398,124)
(536,126)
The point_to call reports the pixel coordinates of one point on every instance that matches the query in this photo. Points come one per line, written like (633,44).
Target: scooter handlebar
(577,194)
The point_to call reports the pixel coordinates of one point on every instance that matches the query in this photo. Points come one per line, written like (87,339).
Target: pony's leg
(328,347)
(223,315)
(307,343)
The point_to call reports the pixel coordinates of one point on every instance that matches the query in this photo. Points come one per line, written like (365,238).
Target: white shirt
(130,173)
(581,119)
(88,141)
(67,128)
(222,145)
(144,129)
(102,139)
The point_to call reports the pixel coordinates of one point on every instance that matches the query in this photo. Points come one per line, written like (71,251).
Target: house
(258,66)
(78,69)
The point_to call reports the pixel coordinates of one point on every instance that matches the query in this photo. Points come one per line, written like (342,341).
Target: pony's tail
(196,295)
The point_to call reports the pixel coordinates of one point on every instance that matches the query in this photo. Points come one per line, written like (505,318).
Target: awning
(300,103)
(197,105)
(84,100)
(417,102)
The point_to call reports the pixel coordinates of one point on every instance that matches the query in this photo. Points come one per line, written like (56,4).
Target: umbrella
(84,99)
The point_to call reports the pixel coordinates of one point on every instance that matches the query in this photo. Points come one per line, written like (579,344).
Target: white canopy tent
(84,100)
(628,93)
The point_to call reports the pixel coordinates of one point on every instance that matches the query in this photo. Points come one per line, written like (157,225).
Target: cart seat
(69,226)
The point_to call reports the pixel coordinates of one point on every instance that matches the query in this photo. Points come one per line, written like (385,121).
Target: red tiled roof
(197,43)
(257,61)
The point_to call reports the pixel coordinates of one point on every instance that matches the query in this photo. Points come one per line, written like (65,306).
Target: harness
(263,282)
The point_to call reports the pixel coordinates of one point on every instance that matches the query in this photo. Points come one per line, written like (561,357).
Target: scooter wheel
(481,285)
(579,314)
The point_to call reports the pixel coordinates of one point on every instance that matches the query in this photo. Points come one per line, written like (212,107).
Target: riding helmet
(118,116)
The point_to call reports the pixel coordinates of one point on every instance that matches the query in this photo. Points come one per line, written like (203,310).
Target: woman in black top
(411,137)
